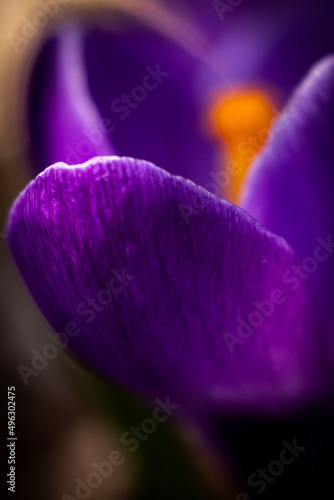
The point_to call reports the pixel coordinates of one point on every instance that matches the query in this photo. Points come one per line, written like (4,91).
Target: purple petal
(64,120)
(290,187)
(271,45)
(163,124)
(193,269)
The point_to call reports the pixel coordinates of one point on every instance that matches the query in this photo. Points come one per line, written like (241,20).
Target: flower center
(241,121)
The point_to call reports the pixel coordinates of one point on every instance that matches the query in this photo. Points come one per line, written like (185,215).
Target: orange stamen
(241,121)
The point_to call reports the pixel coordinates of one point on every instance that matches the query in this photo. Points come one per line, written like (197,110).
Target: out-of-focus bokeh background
(67,417)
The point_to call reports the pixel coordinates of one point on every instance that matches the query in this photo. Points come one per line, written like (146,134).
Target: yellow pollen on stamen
(241,121)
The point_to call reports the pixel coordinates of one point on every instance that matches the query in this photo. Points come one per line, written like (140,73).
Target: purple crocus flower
(161,286)
(202,308)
